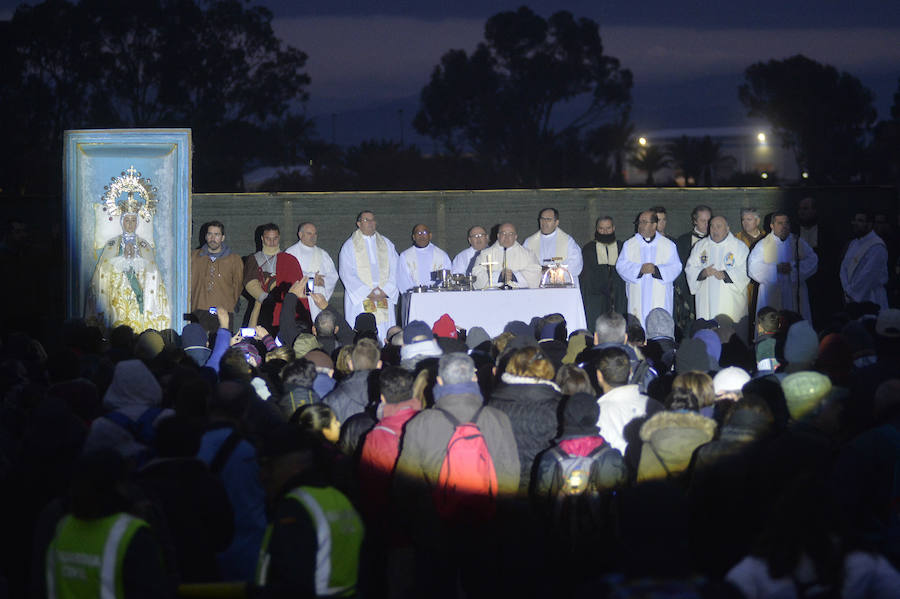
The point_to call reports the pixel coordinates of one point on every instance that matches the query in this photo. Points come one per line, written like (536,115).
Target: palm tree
(685,153)
(650,159)
(709,154)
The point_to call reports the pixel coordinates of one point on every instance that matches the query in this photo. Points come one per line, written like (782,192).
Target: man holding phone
(316,263)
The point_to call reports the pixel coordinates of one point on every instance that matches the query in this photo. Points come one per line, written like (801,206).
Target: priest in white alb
(864,269)
(773,264)
(648,263)
(716,273)
(552,242)
(316,264)
(420,260)
(507,263)
(368,268)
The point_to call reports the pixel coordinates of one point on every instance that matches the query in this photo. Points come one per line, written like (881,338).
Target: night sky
(369,62)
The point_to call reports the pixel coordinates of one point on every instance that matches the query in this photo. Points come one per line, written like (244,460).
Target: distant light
(805,175)
(642,141)
(764,175)
(761,137)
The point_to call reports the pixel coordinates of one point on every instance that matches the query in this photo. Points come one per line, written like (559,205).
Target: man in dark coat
(602,289)
(684,311)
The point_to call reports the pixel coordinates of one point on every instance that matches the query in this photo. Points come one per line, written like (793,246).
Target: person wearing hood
(602,289)
(417,262)
(579,436)
(195,342)
(217,274)
(716,273)
(133,400)
(669,439)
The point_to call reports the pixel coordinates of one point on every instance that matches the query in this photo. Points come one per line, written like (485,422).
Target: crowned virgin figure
(127,287)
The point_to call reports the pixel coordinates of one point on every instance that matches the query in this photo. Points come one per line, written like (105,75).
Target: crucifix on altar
(489,265)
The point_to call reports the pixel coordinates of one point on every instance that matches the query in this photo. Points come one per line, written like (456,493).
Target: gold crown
(129,184)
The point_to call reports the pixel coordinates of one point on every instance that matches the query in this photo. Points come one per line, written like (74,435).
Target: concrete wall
(451,213)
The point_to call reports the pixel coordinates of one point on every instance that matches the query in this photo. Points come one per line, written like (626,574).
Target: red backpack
(467,485)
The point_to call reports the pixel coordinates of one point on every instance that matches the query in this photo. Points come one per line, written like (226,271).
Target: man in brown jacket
(217,274)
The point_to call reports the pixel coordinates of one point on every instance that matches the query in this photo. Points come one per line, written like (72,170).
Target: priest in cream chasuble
(716,272)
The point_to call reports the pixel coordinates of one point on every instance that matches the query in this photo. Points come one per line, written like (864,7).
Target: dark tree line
(212,65)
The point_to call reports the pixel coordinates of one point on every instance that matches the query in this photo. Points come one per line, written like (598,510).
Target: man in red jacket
(382,444)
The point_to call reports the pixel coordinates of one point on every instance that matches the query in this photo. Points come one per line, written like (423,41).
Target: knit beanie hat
(730,379)
(365,321)
(305,343)
(475,337)
(804,392)
(691,355)
(416,331)
(148,345)
(194,335)
(445,327)
(577,344)
(802,344)
(580,414)
(517,328)
(660,324)
(249,350)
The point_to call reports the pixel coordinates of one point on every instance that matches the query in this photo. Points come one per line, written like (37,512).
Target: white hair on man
(455,368)
(610,328)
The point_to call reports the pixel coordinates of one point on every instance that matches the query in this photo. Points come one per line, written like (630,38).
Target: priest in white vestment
(648,263)
(316,264)
(510,263)
(864,269)
(552,242)
(773,264)
(465,261)
(716,272)
(419,261)
(368,268)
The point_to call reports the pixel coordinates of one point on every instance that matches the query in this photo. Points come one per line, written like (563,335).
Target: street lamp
(761,137)
(642,141)
(764,175)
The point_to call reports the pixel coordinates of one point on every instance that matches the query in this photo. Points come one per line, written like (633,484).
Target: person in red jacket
(382,444)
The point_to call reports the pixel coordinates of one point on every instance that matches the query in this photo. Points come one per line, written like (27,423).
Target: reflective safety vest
(85,557)
(339,532)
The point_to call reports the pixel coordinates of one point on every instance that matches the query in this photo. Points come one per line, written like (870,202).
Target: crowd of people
(671,451)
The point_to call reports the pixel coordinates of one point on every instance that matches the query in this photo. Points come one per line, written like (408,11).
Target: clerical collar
(649,240)
(418,249)
(549,235)
(698,234)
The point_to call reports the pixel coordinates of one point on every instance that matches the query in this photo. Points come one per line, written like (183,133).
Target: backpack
(466,491)
(579,513)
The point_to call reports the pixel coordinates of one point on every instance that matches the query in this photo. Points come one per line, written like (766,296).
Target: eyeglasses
(422,233)
(477,236)
(506,233)
(366,220)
